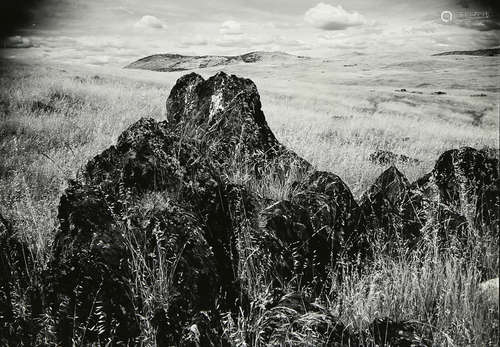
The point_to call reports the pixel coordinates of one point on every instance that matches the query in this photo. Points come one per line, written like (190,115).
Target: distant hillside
(488,52)
(177,62)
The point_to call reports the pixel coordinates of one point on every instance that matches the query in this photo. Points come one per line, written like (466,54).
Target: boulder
(225,113)
(95,247)
(89,280)
(468,182)
(334,213)
(391,209)
(307,236)
(383,158)
(92,277)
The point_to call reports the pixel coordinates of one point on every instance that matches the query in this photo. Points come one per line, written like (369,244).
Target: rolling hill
(177,62)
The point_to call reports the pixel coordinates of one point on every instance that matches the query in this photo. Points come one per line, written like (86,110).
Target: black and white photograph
(216,173)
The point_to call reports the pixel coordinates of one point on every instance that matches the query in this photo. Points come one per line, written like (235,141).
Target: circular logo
(446,16)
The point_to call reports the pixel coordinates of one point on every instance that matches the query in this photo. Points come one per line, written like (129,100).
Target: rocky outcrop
(392,211)
(381,157)
(154,232)
(461,191)
(467,181)
(304,238)
(108,229)
(224,113)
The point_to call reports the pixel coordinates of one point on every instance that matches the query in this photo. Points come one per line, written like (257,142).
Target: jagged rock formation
(381,157)
(224,113)
(186,160)
(155,233)
(462,190)
(468,179)
(392,208)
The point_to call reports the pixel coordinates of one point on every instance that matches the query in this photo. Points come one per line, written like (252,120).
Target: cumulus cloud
(230,27)
(150,22)
(17,42)
(328,17)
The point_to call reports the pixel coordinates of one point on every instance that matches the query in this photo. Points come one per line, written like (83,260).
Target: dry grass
(51,123)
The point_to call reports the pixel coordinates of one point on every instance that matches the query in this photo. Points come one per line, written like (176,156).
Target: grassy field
(54,118)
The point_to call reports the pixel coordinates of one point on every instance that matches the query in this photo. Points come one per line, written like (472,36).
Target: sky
(116,32)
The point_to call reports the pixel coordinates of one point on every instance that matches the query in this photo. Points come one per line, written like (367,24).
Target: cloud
(17,42)
(230,27)
(328,17)
(150,22)
(479,24)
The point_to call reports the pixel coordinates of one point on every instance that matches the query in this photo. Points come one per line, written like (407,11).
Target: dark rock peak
(225,113)
(466,177)
(203,225)
(391,210)
(392,184)
(382,157)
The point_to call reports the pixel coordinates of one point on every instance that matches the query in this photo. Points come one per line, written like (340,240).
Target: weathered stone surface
(173,242)
(225,113)
(93,248)
(149,157)
(391,207)
(334,213)
(159,211)
(90,280)
(381,157)
(468,181)
(308,235)
(290,244)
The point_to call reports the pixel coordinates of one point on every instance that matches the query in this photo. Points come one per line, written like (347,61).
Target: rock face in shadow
(108,229)
(160,200)
(226,113)
(467,180)
(306,237)
(391,209)
(461,191)
(90,281)
(155,233)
